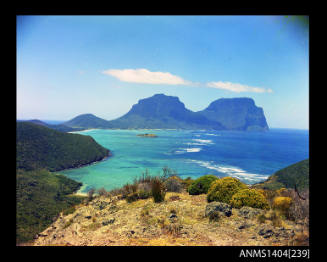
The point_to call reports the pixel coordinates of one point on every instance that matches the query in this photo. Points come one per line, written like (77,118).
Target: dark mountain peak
(236,114)
(161,98)
(163,111)
(158,105)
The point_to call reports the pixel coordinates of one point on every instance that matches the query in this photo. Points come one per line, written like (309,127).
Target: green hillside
(59,127)
(40,197)
(40,194)
(87,121)
(41,147)
(296,174)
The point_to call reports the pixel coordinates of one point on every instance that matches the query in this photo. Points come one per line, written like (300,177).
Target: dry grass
(168,223)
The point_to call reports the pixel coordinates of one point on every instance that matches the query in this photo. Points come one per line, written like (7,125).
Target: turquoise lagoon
(249,156)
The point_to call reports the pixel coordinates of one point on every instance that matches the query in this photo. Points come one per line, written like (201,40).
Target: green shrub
(223,189)
(201,185)
(158,190)
(249,197)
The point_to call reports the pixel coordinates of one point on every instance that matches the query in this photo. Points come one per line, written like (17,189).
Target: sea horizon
(53,122)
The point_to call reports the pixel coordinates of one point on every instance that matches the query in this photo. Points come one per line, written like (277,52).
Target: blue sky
(70,65)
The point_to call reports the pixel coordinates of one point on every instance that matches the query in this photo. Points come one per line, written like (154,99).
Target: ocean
(248,156)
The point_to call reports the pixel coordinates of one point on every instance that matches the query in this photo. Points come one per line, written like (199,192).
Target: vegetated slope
(60,127)
(41,147)
(40,196)
(87,121)
(236,114)
(161,111)
(296,174)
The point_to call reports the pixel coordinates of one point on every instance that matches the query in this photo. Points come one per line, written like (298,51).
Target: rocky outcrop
(179,222)
(267,231)
(222,208)
(249,212)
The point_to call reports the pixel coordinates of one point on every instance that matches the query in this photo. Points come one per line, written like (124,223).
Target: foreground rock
(249,212)
(222,208)
(185,222)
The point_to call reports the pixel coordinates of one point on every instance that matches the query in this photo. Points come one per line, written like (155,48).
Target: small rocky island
(147,135)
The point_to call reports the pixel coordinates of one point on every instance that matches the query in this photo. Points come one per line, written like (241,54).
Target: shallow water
(249,156)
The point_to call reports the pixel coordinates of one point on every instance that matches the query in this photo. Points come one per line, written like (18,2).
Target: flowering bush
(249,197)
(223,189)
(282,204)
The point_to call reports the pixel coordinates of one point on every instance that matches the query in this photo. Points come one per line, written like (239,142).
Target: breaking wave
(231,171)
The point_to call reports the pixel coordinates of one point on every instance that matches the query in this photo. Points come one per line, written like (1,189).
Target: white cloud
(235,87)
(145,76)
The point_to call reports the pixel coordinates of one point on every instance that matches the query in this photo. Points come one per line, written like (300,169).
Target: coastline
(88,164)
(72,132)
(77,192)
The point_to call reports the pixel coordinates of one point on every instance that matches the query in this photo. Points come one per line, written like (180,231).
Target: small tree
(158,190)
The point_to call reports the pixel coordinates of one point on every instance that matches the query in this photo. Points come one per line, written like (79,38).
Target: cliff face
(161,111)
(236,114)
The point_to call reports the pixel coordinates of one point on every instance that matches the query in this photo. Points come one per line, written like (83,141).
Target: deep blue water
(249,156)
